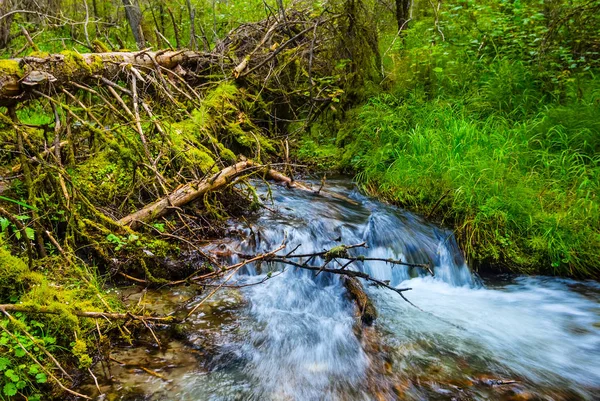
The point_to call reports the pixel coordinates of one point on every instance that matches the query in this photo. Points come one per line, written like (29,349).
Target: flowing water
(297,337)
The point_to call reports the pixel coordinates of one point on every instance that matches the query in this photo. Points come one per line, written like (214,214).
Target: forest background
(483,116)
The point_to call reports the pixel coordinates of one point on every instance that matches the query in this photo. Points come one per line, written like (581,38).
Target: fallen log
(288,182)
(90,315)
(21,77)
(366,309)
(193,190)
(184,195)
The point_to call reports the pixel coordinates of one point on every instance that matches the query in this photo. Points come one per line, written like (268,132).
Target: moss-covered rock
(15,276)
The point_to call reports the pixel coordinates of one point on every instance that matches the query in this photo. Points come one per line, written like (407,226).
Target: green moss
(74,63)
(97,64)
(15,276)
(81,352)
(103,177)
(225,153)
(39,54)
(100,47)
(200,159)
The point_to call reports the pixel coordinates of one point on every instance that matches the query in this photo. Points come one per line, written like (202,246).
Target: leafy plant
(18,372)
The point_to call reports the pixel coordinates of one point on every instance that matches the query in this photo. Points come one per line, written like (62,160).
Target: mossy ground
(73,341)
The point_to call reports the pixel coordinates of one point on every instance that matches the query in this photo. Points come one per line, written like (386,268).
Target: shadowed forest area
(133,132)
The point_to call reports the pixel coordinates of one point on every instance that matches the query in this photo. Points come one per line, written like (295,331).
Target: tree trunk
(402,13)
(192,12)
(5,7)
(184,195)
(61,69)
(134,17)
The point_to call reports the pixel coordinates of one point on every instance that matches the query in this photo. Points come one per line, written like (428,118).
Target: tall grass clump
(515,198)
(489,121)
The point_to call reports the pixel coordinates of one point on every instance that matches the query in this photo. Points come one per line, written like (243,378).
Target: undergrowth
(28,339)
(515,196)
(485,131)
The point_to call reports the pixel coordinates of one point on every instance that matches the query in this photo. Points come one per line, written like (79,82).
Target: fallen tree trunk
(366,309)
(193,190)
(90,315)
(287,181)
(185,194)
(19,78)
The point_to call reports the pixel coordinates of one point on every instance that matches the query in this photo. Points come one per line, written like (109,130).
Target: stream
(297,337)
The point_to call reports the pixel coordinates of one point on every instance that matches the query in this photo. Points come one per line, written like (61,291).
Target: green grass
(519,194)
(486,131)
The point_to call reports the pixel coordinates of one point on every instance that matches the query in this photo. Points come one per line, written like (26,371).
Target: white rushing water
(298,342)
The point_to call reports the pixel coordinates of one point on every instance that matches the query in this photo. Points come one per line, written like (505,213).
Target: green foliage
(58,288)
(489,122)
(519,194)
(15,276)
(18,372)
(221,126)
(7,227)
(105,178)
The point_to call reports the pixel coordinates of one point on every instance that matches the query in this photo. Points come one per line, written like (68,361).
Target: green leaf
(19,352)
(21,384)
(41,378)
(30,232)
(4,363)
(25,205)
(12,375)
(438,69)
(159,226)
(49,340)
(9,389)
(4,223)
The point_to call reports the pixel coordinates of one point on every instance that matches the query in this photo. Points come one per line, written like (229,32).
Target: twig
(349,273)
(95,380)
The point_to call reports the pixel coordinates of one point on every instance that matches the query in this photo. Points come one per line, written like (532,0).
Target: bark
(282,179)
(192,12)
(5,23)
(193,190)
(402,13)
(134,17)
(366,309)
(69,67)
(185,194)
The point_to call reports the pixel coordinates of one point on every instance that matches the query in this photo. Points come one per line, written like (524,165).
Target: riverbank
(479,130)
(521,195)
(297,335)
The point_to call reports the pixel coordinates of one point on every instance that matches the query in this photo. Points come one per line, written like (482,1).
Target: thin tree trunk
(175,30)
(134,17)
(402,13)
(192,12)
(5,23)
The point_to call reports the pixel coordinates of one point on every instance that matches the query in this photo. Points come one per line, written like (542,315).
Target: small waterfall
(303,341)
(298,342)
